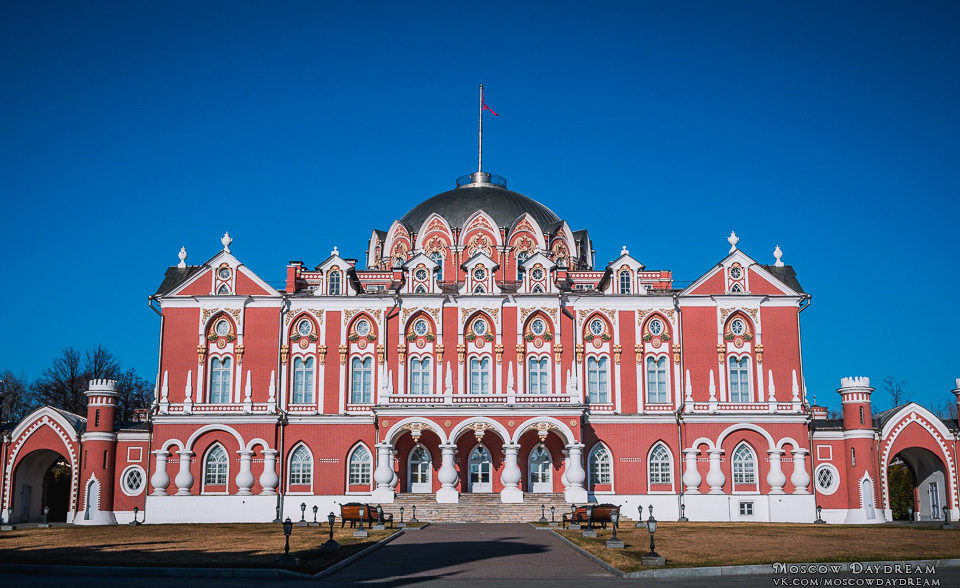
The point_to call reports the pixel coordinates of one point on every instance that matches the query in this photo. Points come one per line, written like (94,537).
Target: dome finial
(733,239)
(778,254)
(183,257)
(226,240)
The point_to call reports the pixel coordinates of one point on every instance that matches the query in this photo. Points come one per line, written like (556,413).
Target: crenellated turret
(100,455)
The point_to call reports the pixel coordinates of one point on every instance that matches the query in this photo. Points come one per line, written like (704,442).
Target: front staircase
(477,508)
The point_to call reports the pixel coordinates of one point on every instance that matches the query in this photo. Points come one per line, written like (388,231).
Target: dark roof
(382,235)
(78,422)
(786,275)
(176,276)
(829,424)
(458,204)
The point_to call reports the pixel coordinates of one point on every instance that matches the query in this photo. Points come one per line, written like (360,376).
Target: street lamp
(946,518)
(910,514)
(640,522)
(553,516)
(614,542)
(315,523)
(287,529)
(413,519)
(589,532)
(682,519)
(286,560)
(136,510)
(361,532)
(303,513)
(330,545)
(652,527)
(43,519)
(543,514)
(819,520)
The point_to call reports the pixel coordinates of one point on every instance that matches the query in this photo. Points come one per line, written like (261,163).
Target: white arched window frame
(659,465)
(744,465)
(738,378)
(301,467)
(479,376)
(303,379)
(361,379)
(216,467)
(538,374)
(625,281)
(657,379)
(359,466)
(600,466)
(334,283)
(221,380)
(598,379)
(521,257)
(421,374)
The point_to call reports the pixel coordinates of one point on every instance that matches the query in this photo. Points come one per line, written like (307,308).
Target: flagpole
(480,151)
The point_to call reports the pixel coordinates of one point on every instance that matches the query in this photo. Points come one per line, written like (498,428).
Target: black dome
(457,205)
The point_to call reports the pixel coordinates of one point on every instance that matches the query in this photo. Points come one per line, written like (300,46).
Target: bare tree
(897,389)
(944,409)
(135,392)
(17,402)
(63,383)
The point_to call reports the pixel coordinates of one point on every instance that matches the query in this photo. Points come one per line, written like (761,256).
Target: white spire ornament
(335,252)
(226,240)
(624,251)
(183,257)
(733,239)
(777,254)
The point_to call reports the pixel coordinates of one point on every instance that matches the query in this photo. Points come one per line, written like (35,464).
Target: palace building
(479,356)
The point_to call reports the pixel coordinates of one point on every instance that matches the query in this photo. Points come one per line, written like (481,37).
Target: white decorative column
(447,475)
(511,475)
(800,478)
(184,479)
(160,480)
(715,476)
(575,492)
(691,475)
(269,479)
(566,466)
(245,476)
(383,475)
(776,478)
(395,479)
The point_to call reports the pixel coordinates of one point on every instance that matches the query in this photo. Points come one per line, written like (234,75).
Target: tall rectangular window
(739,379)
(597,380)
(656,380)
(479,375)
(539,376)
(361,384)
(220,380)
(302,380)
(420,376)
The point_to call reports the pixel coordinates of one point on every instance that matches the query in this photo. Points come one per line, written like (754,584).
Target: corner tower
(862,475)
(99,444)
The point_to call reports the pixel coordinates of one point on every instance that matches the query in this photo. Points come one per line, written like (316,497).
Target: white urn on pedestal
(511,475)
(575,492)
(447,476)
(383,475)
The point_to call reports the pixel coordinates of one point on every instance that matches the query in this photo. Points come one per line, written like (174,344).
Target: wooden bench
(350,512)
(601,514)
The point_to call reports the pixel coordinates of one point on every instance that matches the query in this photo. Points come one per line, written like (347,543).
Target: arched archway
(42,478)
(929,483)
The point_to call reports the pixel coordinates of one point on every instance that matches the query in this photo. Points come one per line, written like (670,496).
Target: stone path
(469,551)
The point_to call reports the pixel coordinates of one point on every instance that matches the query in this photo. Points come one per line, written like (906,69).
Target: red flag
(485,107)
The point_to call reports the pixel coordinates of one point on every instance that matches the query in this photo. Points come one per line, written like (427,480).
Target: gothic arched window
(601,466)
(744,466)
(301,466)
(360,467)
(659,466)
(215,467)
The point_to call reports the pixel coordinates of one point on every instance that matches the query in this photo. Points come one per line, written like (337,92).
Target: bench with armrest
(601,515)
(350,512)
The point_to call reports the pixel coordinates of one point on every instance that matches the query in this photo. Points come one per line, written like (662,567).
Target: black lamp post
(315,523)
(287,529)
(136,511)
(361,532)
(614,542)
(543,514)
(652,527)
(43,519)
(413,519)
(401,514)
(946,518)
(682,519)
(819,520)
(553,515)
(303,515)
(910,514)
(590,517)
(640,522)
(330,545)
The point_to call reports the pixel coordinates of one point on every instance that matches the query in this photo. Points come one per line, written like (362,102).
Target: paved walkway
(470,551)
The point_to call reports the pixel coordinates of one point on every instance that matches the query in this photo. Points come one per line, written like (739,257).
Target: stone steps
(481,508)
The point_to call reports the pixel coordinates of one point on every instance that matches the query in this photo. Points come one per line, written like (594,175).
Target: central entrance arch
(42,478)
(930,482)
(420,470)
(541,470)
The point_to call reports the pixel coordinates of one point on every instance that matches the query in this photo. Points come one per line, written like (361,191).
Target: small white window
(420,375)
(133,481)
(656,380)
(479,375)
(420,274)
(420,289)
(537,274)
(597,380)
(521,257)
(736,273)
(224,273)
(539,375)
(538,327)
(656,327)
(222,328)
(479,274)
(304,327)
(746,509)
(625,282)
(220,380)
(827,479)
(363,328)
(737,327)
(597,327)
(739,374)
(361,385)
(333,288)
(223,289)
(437,258)
(479,327)
(420,327)
(302,380)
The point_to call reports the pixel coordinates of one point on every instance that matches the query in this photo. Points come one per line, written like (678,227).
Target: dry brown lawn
(208,546)
(726,544)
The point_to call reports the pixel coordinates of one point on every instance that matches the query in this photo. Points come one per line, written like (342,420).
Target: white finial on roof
(733,239)
(778,254)
(335,252)
(183,257)
(624,251)
(226,240)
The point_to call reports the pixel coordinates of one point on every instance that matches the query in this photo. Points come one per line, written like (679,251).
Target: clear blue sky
(128,129)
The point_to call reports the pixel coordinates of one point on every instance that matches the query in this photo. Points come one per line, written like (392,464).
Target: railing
(490,179)
(460,399)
